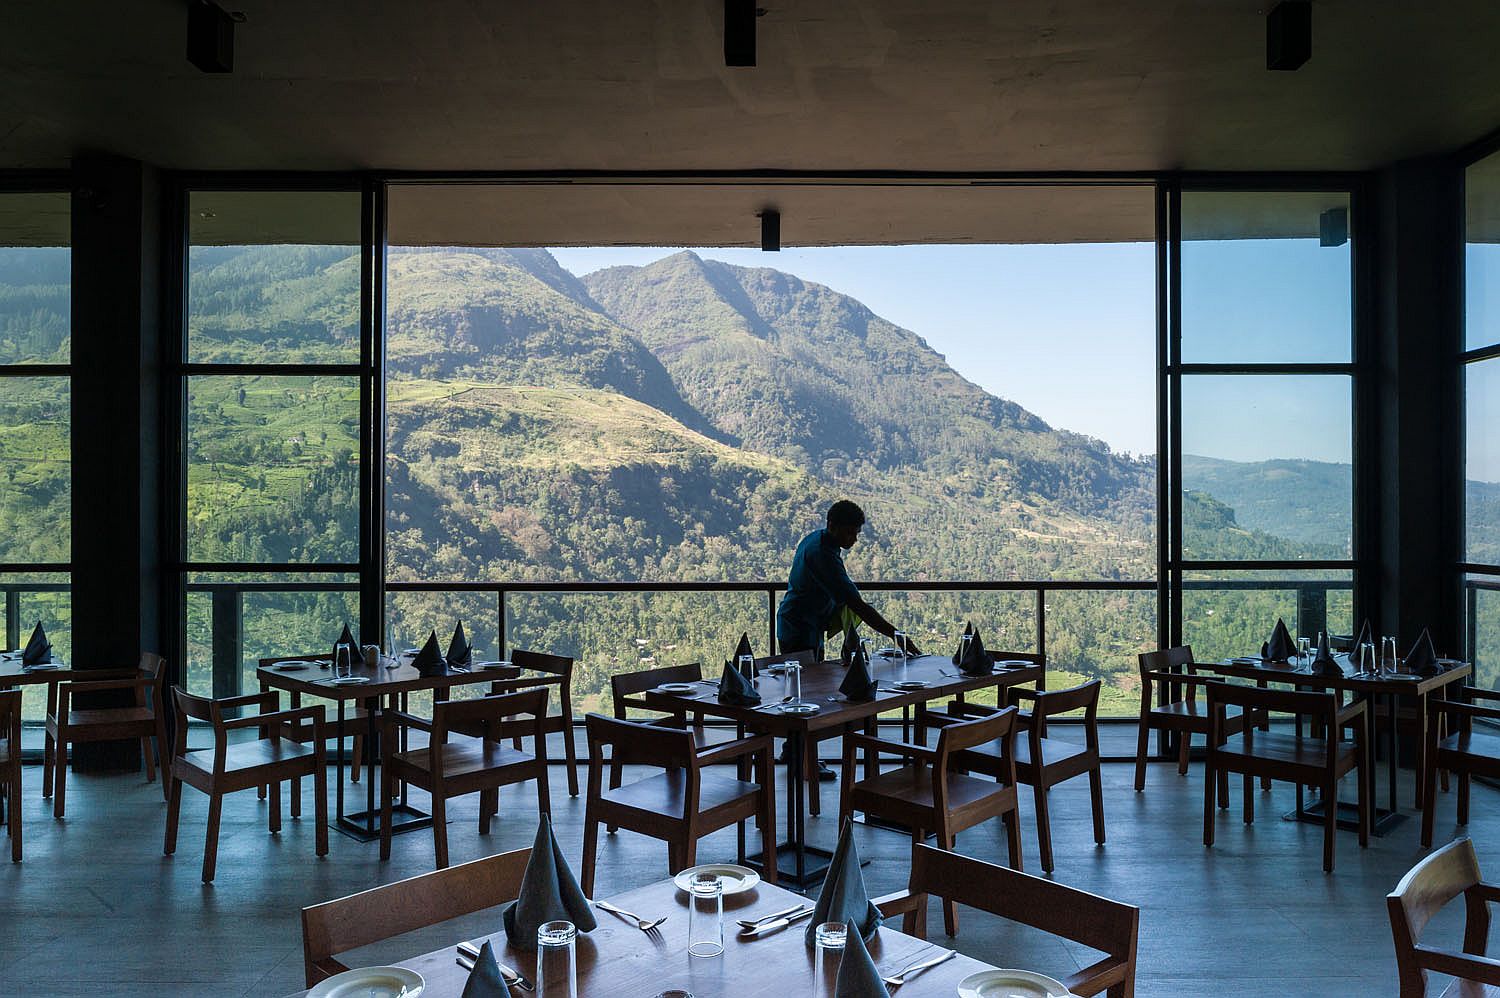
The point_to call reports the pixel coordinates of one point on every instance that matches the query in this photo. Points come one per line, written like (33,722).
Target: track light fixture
(770,231)
(1289,35)
(739,32)
(210,36)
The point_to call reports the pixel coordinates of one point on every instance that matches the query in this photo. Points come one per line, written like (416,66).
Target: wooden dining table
(618,960)
(798,862)
(389,680)
(1371,688)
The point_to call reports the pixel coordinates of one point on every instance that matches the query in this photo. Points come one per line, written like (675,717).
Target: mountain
(1307,502)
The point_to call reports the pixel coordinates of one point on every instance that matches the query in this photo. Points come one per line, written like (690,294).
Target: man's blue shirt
(817,587)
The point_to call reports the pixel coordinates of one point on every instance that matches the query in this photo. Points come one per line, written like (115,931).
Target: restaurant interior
(457,381)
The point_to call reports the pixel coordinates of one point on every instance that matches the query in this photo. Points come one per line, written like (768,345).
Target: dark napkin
(38,649)
(1422,659)
(857,684)
(735,689)
(977,662)
(1323,662)
(858,977)
(346,638)
(851,646)
(549,893)
(743,648)
(485,980)
(429,661)
(958,652)
(843,897)
(460,652)
(1281,646)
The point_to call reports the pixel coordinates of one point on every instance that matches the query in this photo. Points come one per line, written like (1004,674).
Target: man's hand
(912,651)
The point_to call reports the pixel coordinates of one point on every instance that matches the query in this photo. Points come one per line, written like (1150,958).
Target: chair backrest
(642,744)
(1094,921)
(1248,698)
(382,912)
(489,716)
(997,726)
(1426,888)
(10,723)
(625,685)
(1175,659)
(537,661)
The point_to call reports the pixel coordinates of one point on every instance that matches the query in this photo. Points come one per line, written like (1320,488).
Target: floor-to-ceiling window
(1481,360)
(1261,380)
(36,493)
(271,391)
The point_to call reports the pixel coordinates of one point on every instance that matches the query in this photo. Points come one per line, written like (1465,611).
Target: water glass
(343,665)
(866,647)
(557,960)
(900,639)
(793,674)
(1367,661)
(830,938)
(1395,659)
(706,916)
(1302,647)
(747,667)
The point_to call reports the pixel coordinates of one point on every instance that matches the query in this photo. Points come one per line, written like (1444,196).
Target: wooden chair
(561,722)
(624,690)
(1465,751)
(1319,762)
(1169,702)
(452,764)
(927,716)
(1426,888)
(1040,761)
(1093,921)
(225,768)
(144,719)
(682,804)
(356,722)
(10,767)
(348,923)
(928,796)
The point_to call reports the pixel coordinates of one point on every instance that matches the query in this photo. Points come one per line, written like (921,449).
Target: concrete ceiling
(905,85)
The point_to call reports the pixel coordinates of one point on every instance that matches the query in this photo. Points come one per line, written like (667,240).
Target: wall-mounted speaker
(770,231)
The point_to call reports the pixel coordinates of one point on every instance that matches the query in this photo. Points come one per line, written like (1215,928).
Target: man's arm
(879,624)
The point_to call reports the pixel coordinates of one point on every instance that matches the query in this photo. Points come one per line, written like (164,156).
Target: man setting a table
(820,599)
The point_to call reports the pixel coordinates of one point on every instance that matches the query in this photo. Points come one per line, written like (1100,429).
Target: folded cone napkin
(959,651)
(743,648)
(38,649)
(1323,662)
(549,893)
(858,977)
(429,661)
(485,980)
(735,689)
(1281,646)
(843,897)
(851,646)
(858,684)
(977,661)
(1422,659)
(460,652)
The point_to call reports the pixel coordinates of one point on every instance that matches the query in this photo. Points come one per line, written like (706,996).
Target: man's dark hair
(845,514)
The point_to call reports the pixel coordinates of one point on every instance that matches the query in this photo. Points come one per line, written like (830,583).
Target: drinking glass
(830,937)
(1302,647)
(343,666)
(706,916)
(866,646)
(1367,658)
(747,667)
(556,960)
(793,676)
(1395,659)
(900,639)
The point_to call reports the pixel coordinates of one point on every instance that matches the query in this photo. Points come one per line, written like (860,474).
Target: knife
(779,923)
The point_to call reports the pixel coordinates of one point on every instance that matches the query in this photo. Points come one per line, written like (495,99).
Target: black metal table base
(1348,817)
(815,862)
(363,826)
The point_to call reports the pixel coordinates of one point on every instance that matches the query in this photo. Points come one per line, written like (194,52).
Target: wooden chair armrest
(1096,978)
(899,903)
(1483,694)
(395,718)
(1186,678)
(1351,710)
(733,750)
(1459,707)
(1466,966)
(1020,693)
(1489,892)
(895,748)
(314,714)
(93,685)
(250,700)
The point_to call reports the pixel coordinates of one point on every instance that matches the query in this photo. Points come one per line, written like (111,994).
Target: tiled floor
(96,909)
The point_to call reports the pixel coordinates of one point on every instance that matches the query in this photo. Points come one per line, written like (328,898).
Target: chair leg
(1184,743)
(275,808)
(211,836)
(174,811)
(488,801)
(1364,809)
(1012,821)
(1429,806)
(297,796)
(1247,786)
(814,792)
(950,909)
(48,751)
(163,753)
(320,803)
(768,841)
(385,812)
(147,761)
(616,769)
(357,758)
(590,852)
(1330,822)
(1210,777)
(13,814)
(1463,797)
(1223,781)
(689,853)
(1043,827)
(570,751)
(1142,743)
(440,828)
(60,780)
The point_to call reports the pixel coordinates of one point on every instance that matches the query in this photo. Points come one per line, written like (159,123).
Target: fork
(899,977)
(644,925)
(468,953)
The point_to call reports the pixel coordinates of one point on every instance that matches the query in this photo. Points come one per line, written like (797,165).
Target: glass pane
(1482,253)
(36,470)
(1486,624)
(35,278)
(33,598)
(1482,462)
(1097,635)
(273,471)
(1225,615)
(234,621)
(273,277)
(1266,467)
(1266,278)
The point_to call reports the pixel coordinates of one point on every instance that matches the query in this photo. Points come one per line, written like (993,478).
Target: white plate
(503,663)
(800,708)
(1010,984)
(676,688)
(910,685)
(350,680)
(40,667)
(1014,663)
(736,879)
(371,982)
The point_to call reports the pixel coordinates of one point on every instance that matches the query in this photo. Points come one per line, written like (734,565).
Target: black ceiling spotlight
(770,231)
(1289,35)
(739,32)
(210,36)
